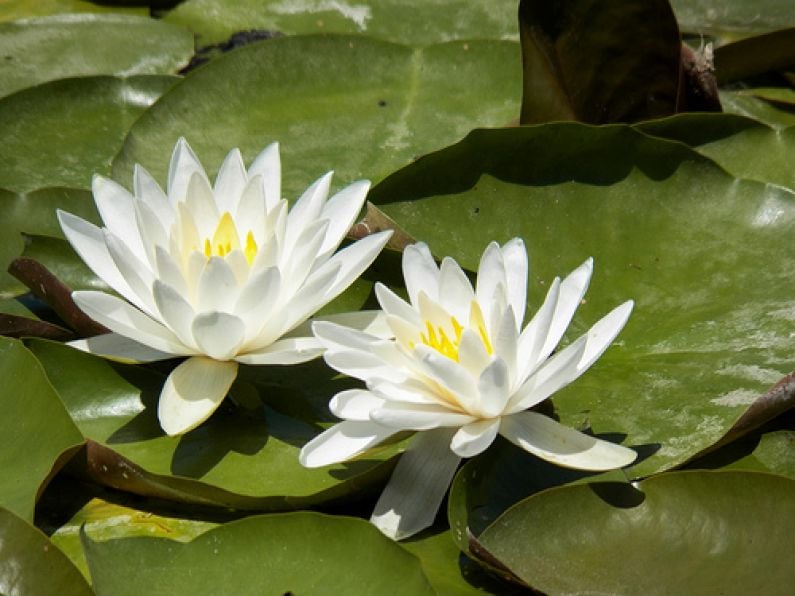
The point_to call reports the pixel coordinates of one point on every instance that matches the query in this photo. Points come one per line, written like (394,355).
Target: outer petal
(118,347)
(572,289)
(455,290)
(192,392)
(148,191)
(354,404)
(292,350)
(475,437)
(491,273)
(218,334)
(115,206)
(563,446)
(175,311)
(494,386)
(184,164)
(343,441)
(341,211)
(420,271)
(414,416)
(306,210)
(230,182)
(418,484)
(268,165)
(514,256)
(393,305)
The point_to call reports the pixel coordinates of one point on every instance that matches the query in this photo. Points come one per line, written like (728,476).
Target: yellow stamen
(438,338)
(251,248)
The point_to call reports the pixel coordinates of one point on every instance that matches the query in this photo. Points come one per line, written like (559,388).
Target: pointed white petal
(532,338)
(338,337)
(218,334)
(251,211)
(151,230)
(450,375)
(192,392)
(200,202)
(514,256)
(506,342)
(602,334)
(494,388)
(115,206)
(118,347)
(414,416)
(411,391)
(491,273)
(256,300)
(572,289)
(418,484)
(455,290)
(341,210)
(371,322)
(268,165)
(137,275)
(184,164)
(472,354)
(175,311)
(392,304)
(230,182)
(420,271)
(119,316)
(306,210)
(475,437)
(563,446)
(354,404)
(217,287)
(148,191)
(343,441)
(298,263)
(291,350)
(169,272)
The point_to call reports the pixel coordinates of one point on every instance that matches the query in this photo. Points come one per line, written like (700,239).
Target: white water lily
(223,274)
(461,369)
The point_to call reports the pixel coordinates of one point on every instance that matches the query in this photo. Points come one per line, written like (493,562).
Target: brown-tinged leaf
(17,326)
(376,220)
(756,55)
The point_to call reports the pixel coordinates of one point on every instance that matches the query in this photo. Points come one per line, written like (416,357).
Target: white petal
(169,272)
(354,404)
(392,304)
(474,438)
(418,484)
(151,230)
(450,375)
(177,314)
(89,242)
(268,165)
(514,256)
(341,210)
(414,416)
(148,191)
(118,347)
(251,211)
(137,275)
(238,264)
(602,334)
(306,210)
(291,350)
(363,365)
(494,387)
(230,182)
(119,316)
(184,164)
(256,300)
(412,391)
(472,354)
(218,334)
(491,273)
(115,206)
(192,392)
(563,446)
(217,287)
(372,322)
(455,290)
(572,289)
(296,309)
(420,271)
(298,262)
(338,337)
(200,202)
(343,441)
(532,338)
(506,342)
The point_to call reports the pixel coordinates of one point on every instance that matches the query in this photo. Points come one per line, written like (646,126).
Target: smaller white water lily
(461,369)
(223,274)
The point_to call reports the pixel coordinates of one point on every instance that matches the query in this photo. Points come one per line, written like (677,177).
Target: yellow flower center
(226,239)
(448,344)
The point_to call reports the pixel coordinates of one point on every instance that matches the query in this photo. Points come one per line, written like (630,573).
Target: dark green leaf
(754,56)
(733,19)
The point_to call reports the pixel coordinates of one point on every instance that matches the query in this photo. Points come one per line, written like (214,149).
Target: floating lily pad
(38,435)
(31,564)
(63,132)
(356,105)
(683,532)
(414,22)
(699,251)
(73,45)
(293,553)
(22,9)
(744,147)
(745,103)
(733,19)
(244,457)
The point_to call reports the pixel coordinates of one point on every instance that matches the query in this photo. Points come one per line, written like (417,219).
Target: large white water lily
(461,368)
(223,273)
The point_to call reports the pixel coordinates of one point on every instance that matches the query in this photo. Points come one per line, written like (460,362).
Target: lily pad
(744,147)
(12,10)
(733,19)
(244,457)
(747,103)
(414,22)
(34,214)
(681,532)
(38,435)
(711,329)
(75,45)
(63,132)
(293,553)
(360,106)
(30,564)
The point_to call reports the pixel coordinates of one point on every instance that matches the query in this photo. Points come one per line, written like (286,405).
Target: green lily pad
(754,56)
(244,457)
(12,10)
(30,564)
(747,103)
(682,532)
(298,553)
(733,19)
(413,22)
(61,46)
(33,214)
(63,132)
(743,147)
(711,329)
(38,434)
(356,105)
